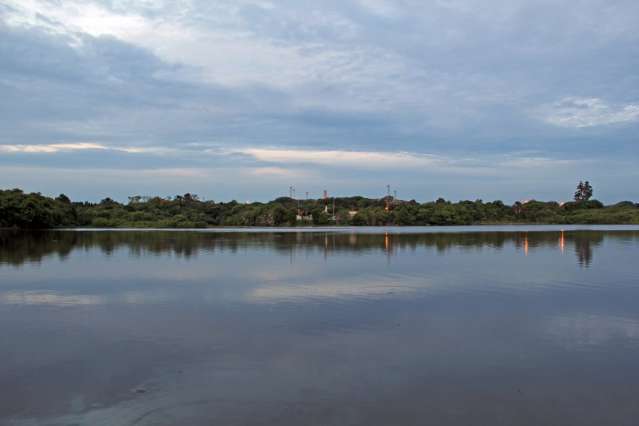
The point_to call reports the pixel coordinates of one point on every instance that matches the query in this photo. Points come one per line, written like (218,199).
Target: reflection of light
(582,329)
(562,242)
(33,298)
(362,288)
(322,291)
(386,241)
(526,245)
(325,247)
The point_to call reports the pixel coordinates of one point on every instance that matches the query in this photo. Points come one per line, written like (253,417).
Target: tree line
(33,210)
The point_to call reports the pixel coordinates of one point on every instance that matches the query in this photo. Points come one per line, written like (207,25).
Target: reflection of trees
(584,241)
(584,245)
(17,247)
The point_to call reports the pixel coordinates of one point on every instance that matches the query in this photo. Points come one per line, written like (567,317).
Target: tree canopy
(22,210)
(583,192)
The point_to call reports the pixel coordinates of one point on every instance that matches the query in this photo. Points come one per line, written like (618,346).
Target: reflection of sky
(588,330)
(360,287)
(54,299)
(269,325)
(257,273)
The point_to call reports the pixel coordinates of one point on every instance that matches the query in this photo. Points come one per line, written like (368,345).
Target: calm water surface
(461,326)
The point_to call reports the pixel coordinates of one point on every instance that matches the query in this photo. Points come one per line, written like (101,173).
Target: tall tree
(587,191)
(583,192)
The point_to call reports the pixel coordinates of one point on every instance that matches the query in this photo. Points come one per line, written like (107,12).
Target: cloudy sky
(465,99)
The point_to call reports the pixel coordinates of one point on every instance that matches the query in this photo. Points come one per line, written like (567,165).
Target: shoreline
(360,229)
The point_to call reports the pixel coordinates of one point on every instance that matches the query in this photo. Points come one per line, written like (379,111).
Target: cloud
(198,160)
(390,160)
(383,8)
(51,148)
(588,112)
(341,158)
(278,172)
(74,18)
(54,148)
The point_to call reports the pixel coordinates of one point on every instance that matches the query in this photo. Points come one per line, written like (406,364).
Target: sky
(241,99)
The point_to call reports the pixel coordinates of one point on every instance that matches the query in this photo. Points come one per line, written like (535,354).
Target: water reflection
(592,330)
(196,328)
(18,247)
(584,249)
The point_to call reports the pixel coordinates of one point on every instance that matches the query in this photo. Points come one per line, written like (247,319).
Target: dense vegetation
(22,210)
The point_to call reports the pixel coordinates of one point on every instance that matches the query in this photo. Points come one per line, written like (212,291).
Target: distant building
(306,218)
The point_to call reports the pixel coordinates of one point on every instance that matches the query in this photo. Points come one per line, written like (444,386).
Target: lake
(519,325)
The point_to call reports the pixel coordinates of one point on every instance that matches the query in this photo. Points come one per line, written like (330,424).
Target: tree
(358,220)
(583,192)
(282,216)
(319,217)
(587,190)
(63,199)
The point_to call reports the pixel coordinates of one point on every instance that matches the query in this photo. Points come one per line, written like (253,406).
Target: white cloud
(588,112)
(292,163)
(383,160)
(52,148)
(228,51)
(81,146)
(277,172)
(383,8)
(72,17)
(342,158)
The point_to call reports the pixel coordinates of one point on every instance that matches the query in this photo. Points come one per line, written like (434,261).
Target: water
(397,326)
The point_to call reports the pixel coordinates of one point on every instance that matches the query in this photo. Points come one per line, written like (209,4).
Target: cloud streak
(52,148)
(277,161)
